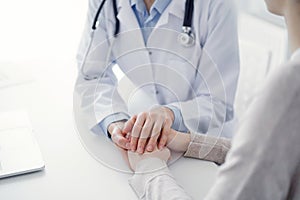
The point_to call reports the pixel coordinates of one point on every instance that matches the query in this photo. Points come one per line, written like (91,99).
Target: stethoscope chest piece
(186,38)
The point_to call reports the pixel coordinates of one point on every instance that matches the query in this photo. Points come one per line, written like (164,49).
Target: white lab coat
(200,80)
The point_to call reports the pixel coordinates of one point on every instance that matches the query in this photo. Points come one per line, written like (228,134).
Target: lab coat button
(150,53)
(156,92)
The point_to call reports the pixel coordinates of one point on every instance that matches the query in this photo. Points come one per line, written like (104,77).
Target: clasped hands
(145,131)
(145,135)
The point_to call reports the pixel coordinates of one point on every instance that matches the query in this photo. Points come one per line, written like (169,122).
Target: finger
(145,134)
(129,124)
(136,130)
(138,125)
(162,141)
(141,145)
(119,139)
(152,143)
(128,136)
(133,143)
(164,135)
(154,136)
(147,128)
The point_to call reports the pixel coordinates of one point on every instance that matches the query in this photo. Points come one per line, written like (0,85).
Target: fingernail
(132,147)
(140,150)
(160,147)
(149,148)
(127,146)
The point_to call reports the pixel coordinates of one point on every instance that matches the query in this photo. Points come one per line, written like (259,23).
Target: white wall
(258,8)
(263,47)
(40,29)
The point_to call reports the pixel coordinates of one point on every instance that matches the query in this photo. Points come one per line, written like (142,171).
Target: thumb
(120,140)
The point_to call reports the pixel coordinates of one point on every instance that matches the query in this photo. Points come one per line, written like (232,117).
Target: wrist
(150,164)
(178,141)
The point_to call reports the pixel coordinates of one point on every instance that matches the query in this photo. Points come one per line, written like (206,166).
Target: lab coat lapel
(175,8)
(131,38)
(128,21)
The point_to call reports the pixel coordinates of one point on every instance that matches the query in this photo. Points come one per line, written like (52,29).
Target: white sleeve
(99,96)
(153,180)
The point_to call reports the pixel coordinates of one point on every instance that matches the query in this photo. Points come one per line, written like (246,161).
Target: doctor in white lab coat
(187,88)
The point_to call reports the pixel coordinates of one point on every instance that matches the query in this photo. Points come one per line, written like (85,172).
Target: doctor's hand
(134,158)
(147,128)
(118,136)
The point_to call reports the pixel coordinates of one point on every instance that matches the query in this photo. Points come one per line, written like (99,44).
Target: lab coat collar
(140,5)
(175,8)
(159,5)
(126,14)
(296,55)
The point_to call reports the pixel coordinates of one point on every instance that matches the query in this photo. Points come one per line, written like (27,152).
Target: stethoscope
(186,38)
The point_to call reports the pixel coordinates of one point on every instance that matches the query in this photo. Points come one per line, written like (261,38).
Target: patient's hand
(134,158)
(178,141)
(118,136)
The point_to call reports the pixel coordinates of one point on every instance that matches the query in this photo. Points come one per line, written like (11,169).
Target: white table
(71,172)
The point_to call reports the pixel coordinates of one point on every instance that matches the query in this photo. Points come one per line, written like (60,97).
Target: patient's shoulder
(291,71)
(285,80)
(288,72)
(293,65)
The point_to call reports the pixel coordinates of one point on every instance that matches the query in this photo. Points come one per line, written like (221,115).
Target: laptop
(19,151)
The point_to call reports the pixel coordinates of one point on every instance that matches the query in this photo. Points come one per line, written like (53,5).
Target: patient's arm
(152,179)
(199,146)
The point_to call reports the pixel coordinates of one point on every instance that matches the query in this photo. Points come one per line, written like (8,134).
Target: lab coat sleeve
(211,107)
(104,124)
(99,97)
(178,123)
